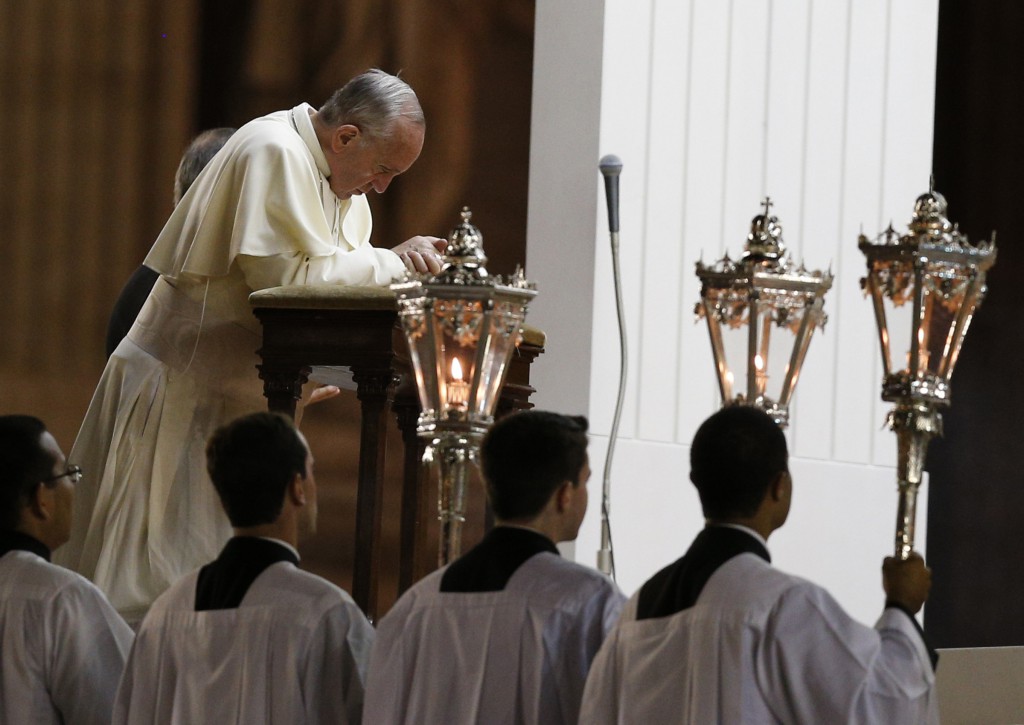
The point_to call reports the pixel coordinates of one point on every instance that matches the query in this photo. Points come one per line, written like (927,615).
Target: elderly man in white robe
(506,633)
(283,203)
(250,638)
(62,646)
(720,636)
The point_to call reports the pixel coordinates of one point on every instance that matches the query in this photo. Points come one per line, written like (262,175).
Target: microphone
(611,167)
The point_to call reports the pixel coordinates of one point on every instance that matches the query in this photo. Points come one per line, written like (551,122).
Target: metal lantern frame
(941,274)
(763,290)
(462,326)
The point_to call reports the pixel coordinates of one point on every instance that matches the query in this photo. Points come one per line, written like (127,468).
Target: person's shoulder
(289,585)
(48,578)
(562,579)
(413,598)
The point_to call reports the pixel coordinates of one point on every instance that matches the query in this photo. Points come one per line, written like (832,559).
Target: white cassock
(759,646)
(261,214)
(519,654)
(62,646)
(293,651)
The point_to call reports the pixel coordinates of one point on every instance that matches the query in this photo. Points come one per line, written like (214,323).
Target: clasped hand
(422,254)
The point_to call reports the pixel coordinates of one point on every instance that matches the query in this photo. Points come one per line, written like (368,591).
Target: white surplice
(261,214)
(761,646)
(519,655)
(62,646)
(294,651)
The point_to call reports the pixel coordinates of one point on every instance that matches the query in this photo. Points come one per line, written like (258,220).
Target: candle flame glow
(456,369)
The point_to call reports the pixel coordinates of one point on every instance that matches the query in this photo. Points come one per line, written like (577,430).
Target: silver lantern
(462,326)
(925,287)
(747,302)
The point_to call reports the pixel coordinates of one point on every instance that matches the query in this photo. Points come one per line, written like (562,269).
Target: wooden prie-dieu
(307,327)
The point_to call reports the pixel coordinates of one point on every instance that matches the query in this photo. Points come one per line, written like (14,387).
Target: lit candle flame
(456,369)
(758,362)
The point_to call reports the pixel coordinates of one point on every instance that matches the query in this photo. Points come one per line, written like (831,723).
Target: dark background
(976,494)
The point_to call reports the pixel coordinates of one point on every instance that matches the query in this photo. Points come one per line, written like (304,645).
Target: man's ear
(778,487)
(563,496)
(344,135)
(297,490)
(38,504)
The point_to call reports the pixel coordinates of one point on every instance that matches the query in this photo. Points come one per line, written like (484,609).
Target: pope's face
(361,164)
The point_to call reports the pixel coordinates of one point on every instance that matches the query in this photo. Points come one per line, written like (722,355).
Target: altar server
(250,638)
(720,636)
(282,203)
(62,646)
(506,633)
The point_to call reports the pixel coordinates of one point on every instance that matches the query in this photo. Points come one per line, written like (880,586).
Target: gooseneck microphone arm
(611,167)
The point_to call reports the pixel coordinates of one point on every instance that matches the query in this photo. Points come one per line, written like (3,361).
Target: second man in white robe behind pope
(506,633)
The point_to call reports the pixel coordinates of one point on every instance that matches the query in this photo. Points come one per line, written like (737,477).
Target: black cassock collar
(489,565)
(677,586)
(17,541)
(222,583)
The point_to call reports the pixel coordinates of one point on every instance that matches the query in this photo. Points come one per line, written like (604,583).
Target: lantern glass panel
(767,354)
(502,331)
(425,351)
(899,331)
(458,322)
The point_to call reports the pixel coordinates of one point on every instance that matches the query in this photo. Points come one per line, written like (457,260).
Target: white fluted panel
(827,107)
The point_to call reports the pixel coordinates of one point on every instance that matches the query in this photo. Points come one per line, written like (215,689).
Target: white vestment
(294,651)
(261,214)
(519,655)
(62,646)
(761,646)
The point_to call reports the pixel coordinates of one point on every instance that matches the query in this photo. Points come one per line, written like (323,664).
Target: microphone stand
(611,167)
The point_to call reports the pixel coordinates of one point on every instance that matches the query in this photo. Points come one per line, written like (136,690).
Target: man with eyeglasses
(62,646)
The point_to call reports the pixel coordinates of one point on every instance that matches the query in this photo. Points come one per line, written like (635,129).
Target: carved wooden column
(374,387)
(416,509)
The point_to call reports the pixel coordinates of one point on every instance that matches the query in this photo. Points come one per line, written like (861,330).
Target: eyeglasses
(72,472)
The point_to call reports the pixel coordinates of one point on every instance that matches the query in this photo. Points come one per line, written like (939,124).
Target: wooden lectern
(306,327)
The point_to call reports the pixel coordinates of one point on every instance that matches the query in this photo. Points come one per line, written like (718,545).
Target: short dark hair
(526,456)
(736,454)
(23,465)
(199,153)
(372,101)
(251,462)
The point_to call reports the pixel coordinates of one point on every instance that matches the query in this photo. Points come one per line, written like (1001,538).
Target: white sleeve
(334,675)
(364,266)
(90,648)
(816,664)
(600,704)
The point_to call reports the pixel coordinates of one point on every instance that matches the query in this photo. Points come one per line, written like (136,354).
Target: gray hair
(372,101)
(198,154)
